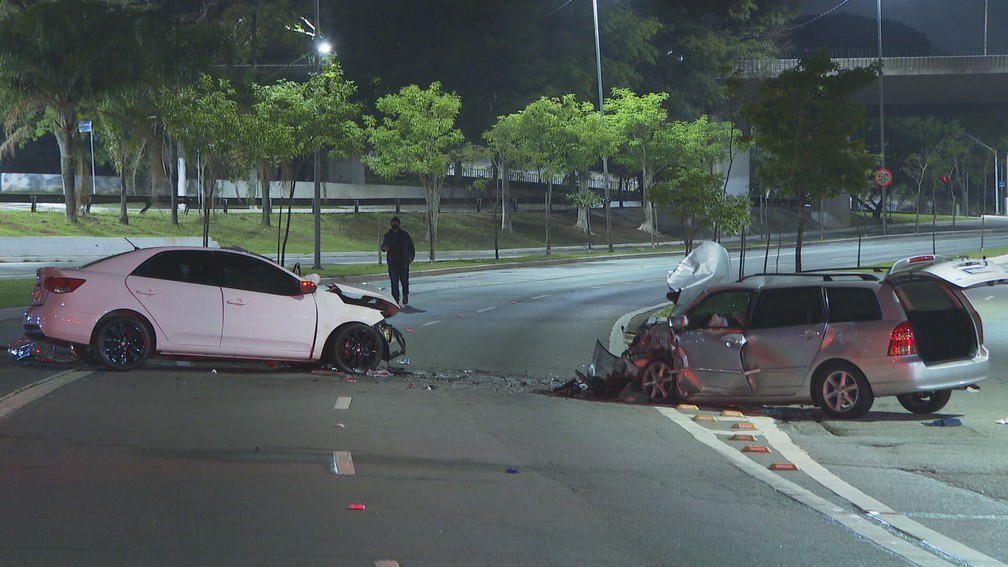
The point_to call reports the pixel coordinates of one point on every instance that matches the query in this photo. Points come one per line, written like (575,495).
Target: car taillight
(62,284)
(902,341)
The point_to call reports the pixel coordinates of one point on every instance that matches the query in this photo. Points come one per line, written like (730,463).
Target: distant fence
(34,199)
(226,204)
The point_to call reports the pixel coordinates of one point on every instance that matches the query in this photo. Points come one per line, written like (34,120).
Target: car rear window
(849,304)
(926,296)
(787,307)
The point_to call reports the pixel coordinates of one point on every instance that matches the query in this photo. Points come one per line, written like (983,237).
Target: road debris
(943,422)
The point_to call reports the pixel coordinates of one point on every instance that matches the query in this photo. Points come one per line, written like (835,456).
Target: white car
(208,303)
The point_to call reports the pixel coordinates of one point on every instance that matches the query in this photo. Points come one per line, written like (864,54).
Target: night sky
(955,27)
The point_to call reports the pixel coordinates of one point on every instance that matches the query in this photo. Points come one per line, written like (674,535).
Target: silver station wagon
(835,340)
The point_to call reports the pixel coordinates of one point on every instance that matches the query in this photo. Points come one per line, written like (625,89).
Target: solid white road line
(20,398)
(854,522)
(786,447)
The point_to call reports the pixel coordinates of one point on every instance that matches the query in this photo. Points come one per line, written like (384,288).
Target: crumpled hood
(366,298)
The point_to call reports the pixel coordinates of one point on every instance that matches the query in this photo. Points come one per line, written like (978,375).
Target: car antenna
(135,247)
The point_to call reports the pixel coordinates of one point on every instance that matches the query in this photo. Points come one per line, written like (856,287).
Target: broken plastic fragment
(943,422)
(357,507)
(512,470)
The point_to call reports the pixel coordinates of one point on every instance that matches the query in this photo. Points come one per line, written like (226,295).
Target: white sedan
(208,303)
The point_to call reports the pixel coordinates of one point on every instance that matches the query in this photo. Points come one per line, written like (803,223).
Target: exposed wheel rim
(658,381)
(124,344)
(840,391)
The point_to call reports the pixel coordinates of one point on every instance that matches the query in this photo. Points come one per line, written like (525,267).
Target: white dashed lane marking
(342,402)
(485,309)
(429,323)
(342,463)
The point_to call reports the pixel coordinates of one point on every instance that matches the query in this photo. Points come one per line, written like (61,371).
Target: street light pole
(993,151)
(317,198)
(605,159)
(881,111)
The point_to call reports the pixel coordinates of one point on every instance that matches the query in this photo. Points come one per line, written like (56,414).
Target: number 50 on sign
(883,177)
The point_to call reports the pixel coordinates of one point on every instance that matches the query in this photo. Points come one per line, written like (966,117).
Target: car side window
(726,308)
(849,304)
(187,266)
(787,307)
(252,274)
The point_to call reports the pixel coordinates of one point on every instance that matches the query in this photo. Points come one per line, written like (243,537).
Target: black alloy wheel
(123,343)
(358,348)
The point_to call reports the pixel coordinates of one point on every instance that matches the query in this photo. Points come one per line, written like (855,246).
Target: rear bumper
(891,376)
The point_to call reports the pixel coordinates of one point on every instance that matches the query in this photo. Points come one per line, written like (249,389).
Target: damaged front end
(395,342)
(609,375)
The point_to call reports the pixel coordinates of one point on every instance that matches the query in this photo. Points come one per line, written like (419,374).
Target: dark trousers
(397,274)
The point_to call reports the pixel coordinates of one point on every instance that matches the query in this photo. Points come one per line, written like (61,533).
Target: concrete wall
(80,249)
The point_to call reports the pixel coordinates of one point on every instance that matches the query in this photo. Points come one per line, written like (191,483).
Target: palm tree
(56,55)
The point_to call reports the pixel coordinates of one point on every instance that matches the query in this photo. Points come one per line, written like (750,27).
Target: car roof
(131,258)
(801,279)
(964,273)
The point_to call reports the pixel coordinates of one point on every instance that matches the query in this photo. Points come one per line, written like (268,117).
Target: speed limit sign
(883,177)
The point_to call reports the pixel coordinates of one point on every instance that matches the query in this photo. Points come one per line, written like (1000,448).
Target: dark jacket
(399,246)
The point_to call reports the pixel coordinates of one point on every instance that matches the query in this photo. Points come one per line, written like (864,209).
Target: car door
(785,335)
(265,313)
(181,299)
(711,344)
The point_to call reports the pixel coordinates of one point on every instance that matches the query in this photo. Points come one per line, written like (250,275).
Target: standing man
(399,246)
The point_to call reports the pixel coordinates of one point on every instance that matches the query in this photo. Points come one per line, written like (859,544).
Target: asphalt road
(457,459)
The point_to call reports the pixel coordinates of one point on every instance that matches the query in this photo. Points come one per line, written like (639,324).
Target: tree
(641,127)
(593,142)
(924,146)
(204,119)
(804,125)
(550,133)
(288,122)
(417,135)
(56,55)
(693,189)
(503,139)
(127,127)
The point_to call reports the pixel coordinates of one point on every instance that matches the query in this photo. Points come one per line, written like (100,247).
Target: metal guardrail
(34,199)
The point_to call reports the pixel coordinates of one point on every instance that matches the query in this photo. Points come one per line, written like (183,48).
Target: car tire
(122,343)
(841,390)
(925,402)
(357,348)
(660,380)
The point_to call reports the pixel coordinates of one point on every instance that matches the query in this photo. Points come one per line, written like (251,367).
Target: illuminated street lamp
(321,48)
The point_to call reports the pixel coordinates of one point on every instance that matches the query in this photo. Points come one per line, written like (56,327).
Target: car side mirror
(307,287)
(678,322)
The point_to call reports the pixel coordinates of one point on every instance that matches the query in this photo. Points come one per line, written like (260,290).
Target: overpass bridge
(952,80)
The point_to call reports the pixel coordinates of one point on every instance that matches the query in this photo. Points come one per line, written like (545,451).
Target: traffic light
(946,182)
